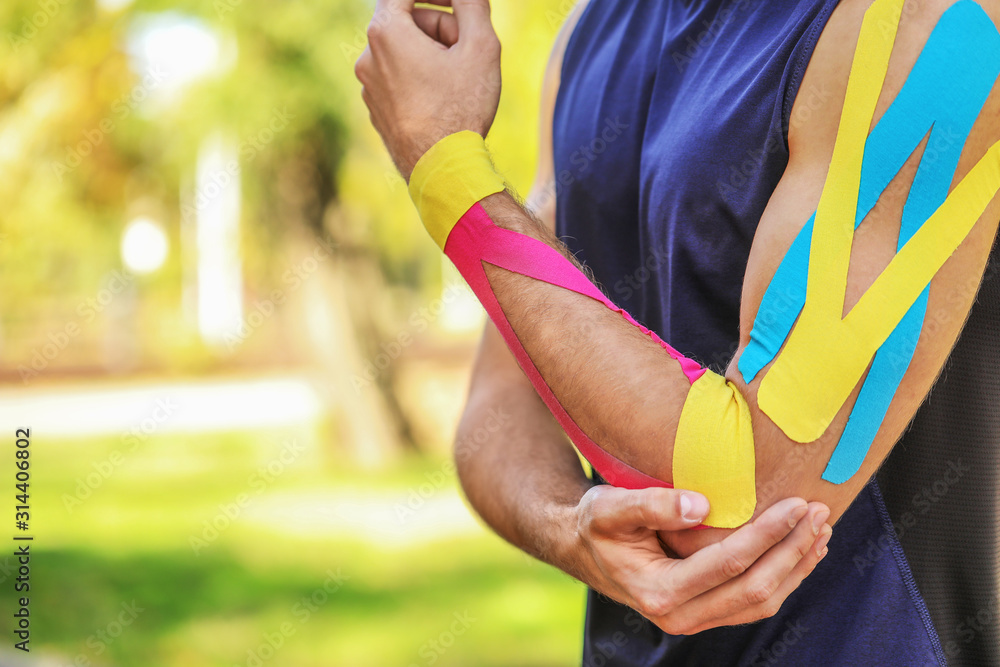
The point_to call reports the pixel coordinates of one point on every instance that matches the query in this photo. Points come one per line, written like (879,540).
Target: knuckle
(375,30)
(758,593)
(802,549)
(666,626)
(596,511)
(672,625)
(655,605)
(491,48)
(766,610)
(733,565)
(640,508)
(771,533)
(363,65)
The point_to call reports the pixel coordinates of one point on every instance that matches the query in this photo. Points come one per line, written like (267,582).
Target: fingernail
(821,544)
(823,553)
(819,520)
(694,507)
(796,515)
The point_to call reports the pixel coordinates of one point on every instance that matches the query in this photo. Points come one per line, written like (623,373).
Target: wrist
(449,179)
(410,146)
(566,548)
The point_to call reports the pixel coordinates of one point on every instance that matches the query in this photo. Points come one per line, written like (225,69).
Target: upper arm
(788,467)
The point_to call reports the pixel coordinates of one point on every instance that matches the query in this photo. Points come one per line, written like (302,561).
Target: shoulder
(811,135)
(956,41)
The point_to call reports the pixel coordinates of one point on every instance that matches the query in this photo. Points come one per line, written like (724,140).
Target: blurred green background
(241,358)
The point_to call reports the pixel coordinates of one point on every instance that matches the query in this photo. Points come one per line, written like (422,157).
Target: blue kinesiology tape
(943,94)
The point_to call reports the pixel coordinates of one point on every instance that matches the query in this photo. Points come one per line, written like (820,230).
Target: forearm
(622,389)
(617,384)
(516,467)
(610,382)
(607,381)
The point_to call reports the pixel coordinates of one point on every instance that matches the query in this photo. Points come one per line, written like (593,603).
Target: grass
(311,564)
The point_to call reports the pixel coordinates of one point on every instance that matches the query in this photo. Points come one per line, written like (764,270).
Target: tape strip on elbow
(713,448)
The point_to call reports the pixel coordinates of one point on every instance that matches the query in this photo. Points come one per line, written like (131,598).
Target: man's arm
(586,352)
(525,480)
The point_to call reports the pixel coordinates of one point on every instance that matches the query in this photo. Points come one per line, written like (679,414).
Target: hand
(427,74)
(743,578)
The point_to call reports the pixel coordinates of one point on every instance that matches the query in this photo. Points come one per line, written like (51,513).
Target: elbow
(714,451)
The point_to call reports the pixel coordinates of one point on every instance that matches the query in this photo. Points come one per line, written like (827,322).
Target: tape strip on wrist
(449,178)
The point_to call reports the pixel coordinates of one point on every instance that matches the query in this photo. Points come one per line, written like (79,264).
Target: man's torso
(670,136)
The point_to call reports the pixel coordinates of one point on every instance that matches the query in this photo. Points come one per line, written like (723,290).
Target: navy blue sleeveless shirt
(669,136)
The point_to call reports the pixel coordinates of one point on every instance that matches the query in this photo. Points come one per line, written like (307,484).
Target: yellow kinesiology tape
(449,178)
(714,451)
(713,448)
(827,354)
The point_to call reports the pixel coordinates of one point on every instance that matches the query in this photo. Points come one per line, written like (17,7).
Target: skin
(423,79)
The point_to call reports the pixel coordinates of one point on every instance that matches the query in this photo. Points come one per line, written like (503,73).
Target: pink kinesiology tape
(476,239)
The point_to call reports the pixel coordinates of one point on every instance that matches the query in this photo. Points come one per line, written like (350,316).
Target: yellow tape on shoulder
(714,450)
(449,179)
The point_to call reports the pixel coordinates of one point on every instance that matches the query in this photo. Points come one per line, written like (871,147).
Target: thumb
(654,509)
(473,17)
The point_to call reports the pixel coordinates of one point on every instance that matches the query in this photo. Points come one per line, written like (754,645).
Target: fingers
(391,16)
(718,563)
(614,511)
(439,26)
(743,578)
(473,17)
(760,591)
(804,568)
(469,19)
(394,6)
